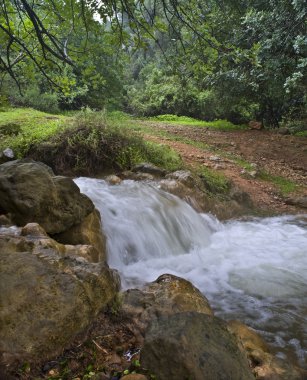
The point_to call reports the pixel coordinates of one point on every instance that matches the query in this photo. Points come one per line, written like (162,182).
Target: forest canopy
(239,60)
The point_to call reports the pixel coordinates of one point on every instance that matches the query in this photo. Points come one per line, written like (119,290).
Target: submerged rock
(265,365)
(192,345)
(30,192)
(49,294)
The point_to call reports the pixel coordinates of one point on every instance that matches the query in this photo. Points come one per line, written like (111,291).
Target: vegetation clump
(98,145)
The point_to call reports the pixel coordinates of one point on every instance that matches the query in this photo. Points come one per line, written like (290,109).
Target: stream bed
(253,270)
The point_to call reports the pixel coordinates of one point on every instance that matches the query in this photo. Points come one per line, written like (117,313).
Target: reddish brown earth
(278,155)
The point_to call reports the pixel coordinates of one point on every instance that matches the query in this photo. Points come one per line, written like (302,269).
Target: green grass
(20,128)
(301,134)
(215,182)
(222,125)
(284,185)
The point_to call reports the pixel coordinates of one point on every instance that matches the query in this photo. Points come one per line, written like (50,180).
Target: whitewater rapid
(253,270)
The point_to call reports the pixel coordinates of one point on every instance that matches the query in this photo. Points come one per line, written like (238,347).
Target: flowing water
(253,270)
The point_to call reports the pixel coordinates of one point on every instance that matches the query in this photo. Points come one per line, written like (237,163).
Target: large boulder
(30,192)
(49,293)
(193,346)
(167,295)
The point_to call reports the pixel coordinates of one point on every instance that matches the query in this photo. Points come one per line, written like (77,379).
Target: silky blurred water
(253,270)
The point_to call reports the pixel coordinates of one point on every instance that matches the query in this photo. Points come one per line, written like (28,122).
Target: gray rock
(299,201)
(49,294)
(185,177)
(8,152)
(193,346)
(30,192)
(150,169)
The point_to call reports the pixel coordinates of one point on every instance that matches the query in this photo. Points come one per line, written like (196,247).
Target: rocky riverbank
(63,315)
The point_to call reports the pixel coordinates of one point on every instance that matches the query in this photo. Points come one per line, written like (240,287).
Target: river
(254,270)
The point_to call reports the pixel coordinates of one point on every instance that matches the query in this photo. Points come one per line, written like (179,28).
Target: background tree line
(238,60)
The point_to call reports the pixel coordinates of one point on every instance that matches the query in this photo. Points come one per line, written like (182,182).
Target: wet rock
(194,190)
(34,230)
(185,177)
(185,185)
(192,345)
(30,192)
(49,295)
(167,295)
(88,232)
(136,176)
(149,169)
(113,179)
(299,201)
(264,364)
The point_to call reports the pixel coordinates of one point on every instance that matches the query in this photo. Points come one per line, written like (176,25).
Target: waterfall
(253,270)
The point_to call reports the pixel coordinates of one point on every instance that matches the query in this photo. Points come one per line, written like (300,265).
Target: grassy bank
(88,143)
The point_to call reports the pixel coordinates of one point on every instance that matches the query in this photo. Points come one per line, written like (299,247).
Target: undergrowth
(223,125)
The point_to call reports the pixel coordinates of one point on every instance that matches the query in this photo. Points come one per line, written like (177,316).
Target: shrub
(96,145)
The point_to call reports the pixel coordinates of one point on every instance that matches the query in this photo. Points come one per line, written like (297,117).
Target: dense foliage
(236,60)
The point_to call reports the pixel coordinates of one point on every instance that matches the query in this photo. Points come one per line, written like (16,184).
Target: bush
(33,97)
(96,145)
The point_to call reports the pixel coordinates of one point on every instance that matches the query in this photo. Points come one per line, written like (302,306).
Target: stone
(149,169)
(5,220)
(194,190)
(113,179)
(88,232)
(136,176)
(6,155)
(49,295)
(192,345)
(33,230)
(253,124)
(299,201)
(215,158)
(265,365)
(30,192)
(283,131)
(183,176)
(167,295)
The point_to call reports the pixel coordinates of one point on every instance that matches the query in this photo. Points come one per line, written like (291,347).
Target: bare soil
(276,154)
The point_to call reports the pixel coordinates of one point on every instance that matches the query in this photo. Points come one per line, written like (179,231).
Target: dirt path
(277,155)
